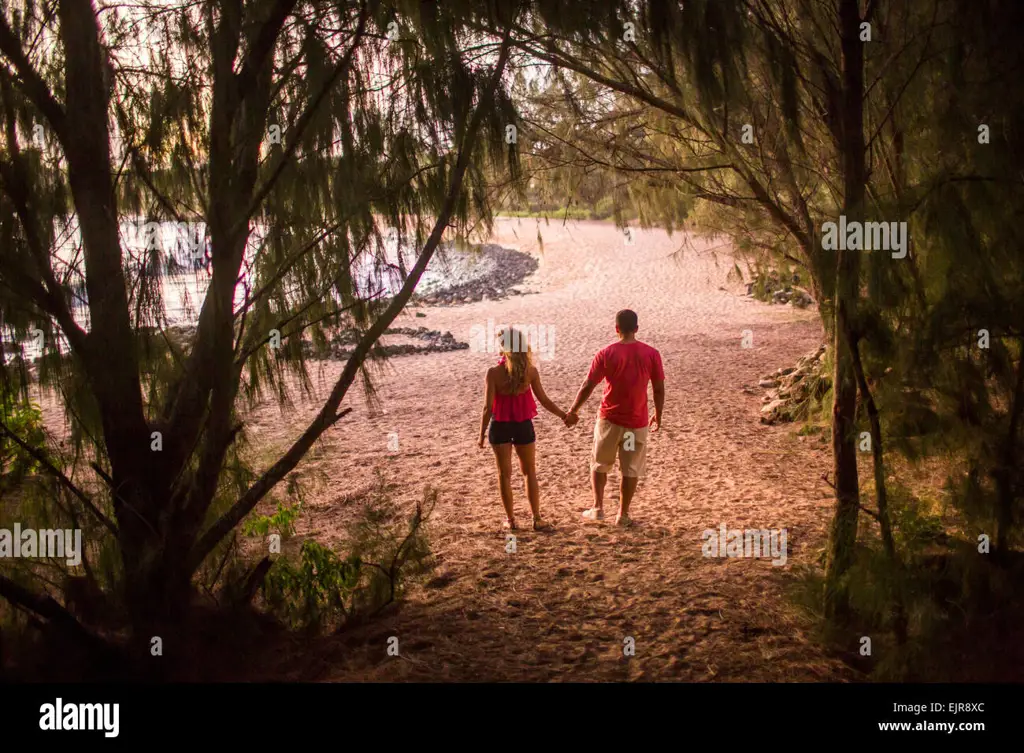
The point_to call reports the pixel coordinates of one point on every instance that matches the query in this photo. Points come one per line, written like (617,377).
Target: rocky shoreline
(503,269)
(792,390)
(489,273)
(771,288)
(343,344)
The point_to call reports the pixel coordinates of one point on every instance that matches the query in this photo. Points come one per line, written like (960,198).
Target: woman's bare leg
(503,456)
(528,464)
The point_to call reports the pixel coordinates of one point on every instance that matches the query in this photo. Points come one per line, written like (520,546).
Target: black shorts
(514,432)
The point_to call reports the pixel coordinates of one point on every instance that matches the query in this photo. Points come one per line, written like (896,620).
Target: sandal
(509,525)
(541,525)
(593,514)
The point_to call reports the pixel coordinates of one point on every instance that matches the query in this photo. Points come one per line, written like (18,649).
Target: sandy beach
(563,606)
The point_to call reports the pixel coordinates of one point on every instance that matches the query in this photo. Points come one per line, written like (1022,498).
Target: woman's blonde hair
(518,357)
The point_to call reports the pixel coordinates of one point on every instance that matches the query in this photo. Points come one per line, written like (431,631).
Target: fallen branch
(254,581)
(870,512)
(59,474)
(55,614)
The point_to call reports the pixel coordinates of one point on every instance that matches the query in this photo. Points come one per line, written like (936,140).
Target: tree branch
(328,415)
(307,115)
(31,82)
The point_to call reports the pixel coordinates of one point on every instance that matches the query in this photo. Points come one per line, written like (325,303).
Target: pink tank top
(519,407)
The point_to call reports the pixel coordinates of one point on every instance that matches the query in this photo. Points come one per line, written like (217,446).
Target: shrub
(385,551)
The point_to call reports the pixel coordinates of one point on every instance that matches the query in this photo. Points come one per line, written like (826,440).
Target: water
(183,281)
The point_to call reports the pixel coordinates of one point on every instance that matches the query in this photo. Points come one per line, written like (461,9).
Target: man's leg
(632,462)
(598,481)
(628,489)
(606,442)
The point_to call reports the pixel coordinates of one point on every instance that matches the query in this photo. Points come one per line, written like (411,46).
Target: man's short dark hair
(626,321)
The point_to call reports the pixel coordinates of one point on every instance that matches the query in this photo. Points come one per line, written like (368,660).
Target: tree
(291,130)
(775,118)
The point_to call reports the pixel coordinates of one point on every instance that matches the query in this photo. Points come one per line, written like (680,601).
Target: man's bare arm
(659,400)
(582,396)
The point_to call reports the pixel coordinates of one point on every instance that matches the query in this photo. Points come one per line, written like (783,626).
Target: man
(622,425)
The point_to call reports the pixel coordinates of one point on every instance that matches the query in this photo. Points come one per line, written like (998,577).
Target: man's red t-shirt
(628,367)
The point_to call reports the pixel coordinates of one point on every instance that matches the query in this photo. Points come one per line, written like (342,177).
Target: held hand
(570,420)
(655,422)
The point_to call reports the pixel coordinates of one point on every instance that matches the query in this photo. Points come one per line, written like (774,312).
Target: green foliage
(959,605)
(393,546)
(915,526)
(282,521)
(315,589)
(384,551)
(25,421)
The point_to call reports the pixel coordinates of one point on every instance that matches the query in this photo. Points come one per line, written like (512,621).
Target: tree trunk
(138,476)
(1006,474)
(843,532)
(884,519)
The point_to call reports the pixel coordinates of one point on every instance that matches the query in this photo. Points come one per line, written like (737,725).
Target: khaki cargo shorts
(629,444)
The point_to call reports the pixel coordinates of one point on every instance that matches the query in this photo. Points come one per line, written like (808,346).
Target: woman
(508,400)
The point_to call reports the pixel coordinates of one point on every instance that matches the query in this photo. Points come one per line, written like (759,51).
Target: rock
(793,382)
(768,383)
(786,371)
(770,413)
(801,298)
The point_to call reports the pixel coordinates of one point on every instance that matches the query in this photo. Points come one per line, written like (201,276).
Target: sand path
(562,606)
